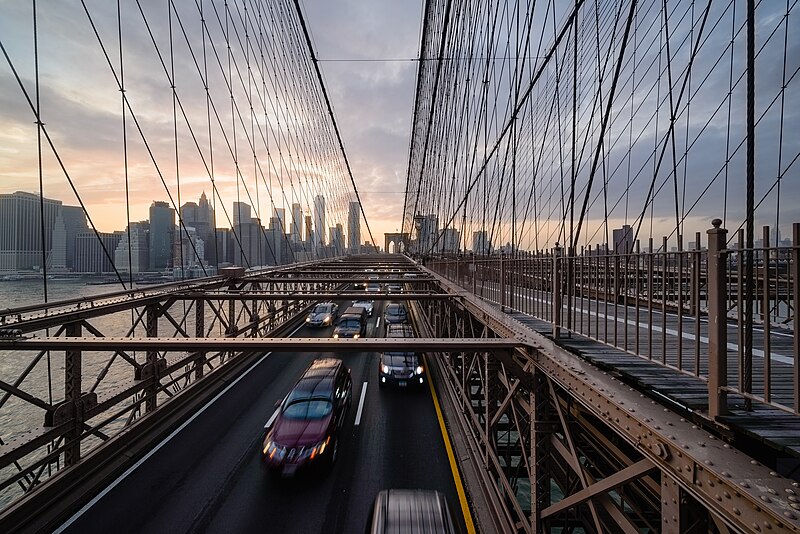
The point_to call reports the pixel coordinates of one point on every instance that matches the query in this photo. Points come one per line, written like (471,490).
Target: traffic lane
(261,501)
(188,473)
(400,445)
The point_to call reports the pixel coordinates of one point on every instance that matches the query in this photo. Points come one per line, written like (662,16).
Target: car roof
(399,330)
(318,379)
(412,511)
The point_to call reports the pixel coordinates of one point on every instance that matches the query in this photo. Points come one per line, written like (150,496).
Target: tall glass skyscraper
(354,227)
(162,230)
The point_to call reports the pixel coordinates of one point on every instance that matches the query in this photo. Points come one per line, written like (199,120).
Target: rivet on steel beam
(772,491)
(737,511)
(685,446)
(726,494)
(768,525)
(789,514)
(708,462)
(671,436)
(683,420)
(718,497)
(765,498)
(756,527)
(792,498)
(666,410)
(711,436)
(795,506)
(726,474)
(753,462)
(744,484)
(796,484)
(694,427)
(773,473)
(657,427)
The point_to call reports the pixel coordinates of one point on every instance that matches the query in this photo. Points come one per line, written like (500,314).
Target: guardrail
(658,304)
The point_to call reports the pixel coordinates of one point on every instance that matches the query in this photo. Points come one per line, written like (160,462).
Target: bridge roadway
(209,476)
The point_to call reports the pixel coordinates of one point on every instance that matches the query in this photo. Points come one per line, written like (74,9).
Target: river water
(44,374)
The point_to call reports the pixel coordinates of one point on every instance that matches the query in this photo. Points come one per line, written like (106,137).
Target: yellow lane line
(462,496)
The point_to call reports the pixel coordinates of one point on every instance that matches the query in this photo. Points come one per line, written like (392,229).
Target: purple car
(304,431)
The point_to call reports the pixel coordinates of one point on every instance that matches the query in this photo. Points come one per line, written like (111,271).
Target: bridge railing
(657,304)
(59,408)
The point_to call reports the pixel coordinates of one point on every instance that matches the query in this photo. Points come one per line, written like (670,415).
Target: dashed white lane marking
(361,403)
(155,449)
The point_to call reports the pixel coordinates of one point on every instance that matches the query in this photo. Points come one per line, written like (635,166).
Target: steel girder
(718,486)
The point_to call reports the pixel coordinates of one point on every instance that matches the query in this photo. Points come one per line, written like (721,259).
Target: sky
(372,100)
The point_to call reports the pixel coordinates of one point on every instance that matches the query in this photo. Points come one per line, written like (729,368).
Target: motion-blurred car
(406,511)
(304,431)
(400,367)
(368,305)
(395,312)
(323,314)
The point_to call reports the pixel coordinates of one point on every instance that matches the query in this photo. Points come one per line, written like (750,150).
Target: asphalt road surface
(209,476)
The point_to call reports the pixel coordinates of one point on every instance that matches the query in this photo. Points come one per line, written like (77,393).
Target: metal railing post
(717,322)
(502,281)
(72,398)
(555,292)
(151,366)
(795,277)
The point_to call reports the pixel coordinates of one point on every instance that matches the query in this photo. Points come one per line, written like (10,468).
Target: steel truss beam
(727,484)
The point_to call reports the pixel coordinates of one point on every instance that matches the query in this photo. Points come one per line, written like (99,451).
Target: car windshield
(322,308)
(395,309)
(399,359)
(308,409)
(350,323)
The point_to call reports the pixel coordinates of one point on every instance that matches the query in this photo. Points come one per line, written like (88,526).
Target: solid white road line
(361,403)
(378,322)
(155,449)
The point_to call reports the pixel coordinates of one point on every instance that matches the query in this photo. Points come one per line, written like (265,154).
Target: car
(373,287)
(368,305)
(394,287)
(323,314)
(397,367)
(395,312)
(304,431)
(352,323)
(411,510)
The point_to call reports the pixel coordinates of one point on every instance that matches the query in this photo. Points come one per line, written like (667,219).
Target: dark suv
(398,367)
(395,312)
(305,429)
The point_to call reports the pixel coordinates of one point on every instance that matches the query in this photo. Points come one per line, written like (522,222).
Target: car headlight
(356,336)
(419,370)
(268,445)
(385,369)
(308,319)
(319,448)
(326,320)
(335,336)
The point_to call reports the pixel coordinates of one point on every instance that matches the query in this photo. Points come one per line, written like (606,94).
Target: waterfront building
(21,230)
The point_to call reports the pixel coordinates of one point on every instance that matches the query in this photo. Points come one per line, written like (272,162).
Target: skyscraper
(131,254)
(21,229)
(480,242)
(200,216)
(297,222)
(89,255)
(319,221)
(162,225)
(354,227)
